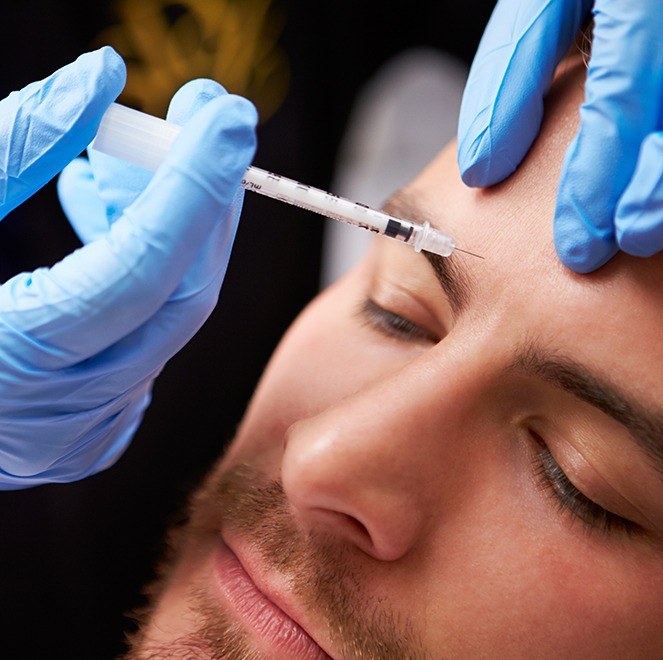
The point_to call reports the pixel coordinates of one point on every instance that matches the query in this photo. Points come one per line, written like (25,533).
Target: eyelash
(393,325)
(549,474)
(569,499)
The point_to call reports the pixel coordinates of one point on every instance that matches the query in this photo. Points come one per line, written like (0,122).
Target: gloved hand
(81,342)
(610,193)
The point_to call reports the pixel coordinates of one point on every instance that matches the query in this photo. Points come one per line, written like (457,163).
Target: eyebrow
(451,272)
(644,426)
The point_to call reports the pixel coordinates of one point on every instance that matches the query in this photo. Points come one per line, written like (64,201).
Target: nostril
(346,525)
(359,527)
(357,531)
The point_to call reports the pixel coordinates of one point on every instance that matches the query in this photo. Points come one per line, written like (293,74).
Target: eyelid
(394,325)
(571,499)
(404,276)
(409,299)
(591,449)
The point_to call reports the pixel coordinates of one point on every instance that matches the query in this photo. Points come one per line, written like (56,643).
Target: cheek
(536,582)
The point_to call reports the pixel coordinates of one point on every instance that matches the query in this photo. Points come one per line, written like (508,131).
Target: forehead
(610,318)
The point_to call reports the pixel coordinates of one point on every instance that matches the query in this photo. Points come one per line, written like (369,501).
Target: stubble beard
(322,572)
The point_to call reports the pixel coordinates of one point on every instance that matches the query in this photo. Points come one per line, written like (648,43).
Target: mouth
(269,626)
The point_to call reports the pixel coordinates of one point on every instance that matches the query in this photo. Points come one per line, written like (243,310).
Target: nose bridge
(371,456)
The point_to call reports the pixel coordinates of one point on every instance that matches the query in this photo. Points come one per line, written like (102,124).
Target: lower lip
(275,628)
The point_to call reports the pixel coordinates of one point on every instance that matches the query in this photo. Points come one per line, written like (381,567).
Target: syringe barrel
(313,199)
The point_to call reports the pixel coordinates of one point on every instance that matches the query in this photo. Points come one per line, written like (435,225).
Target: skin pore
(453,458)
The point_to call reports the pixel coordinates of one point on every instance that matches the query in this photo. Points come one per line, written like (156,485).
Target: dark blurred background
(73,558)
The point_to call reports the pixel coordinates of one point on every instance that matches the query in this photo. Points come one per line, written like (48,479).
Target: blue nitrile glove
(81,342)
(610,193)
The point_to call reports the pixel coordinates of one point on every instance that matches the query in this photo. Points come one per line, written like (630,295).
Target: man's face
(444,458)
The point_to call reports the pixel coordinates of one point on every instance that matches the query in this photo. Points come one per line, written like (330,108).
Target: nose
(368,468)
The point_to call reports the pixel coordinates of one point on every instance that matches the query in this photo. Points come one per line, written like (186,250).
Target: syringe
(144,140)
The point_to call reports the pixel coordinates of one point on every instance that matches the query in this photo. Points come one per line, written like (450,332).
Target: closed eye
(394,325)
(571,500)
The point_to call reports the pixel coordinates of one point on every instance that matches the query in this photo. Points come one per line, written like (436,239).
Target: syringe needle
(478,256)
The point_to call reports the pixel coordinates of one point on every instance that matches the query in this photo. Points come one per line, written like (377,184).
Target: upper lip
(260,576)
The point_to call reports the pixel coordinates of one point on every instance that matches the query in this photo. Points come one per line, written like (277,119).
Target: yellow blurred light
(166,44)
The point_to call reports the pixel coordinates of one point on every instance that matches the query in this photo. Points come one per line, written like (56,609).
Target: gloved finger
(119,184)
(215,252)
(192,97)
(48,123)
(502,103)
(639,216)
(80,202)
(103,291)
(622,106)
